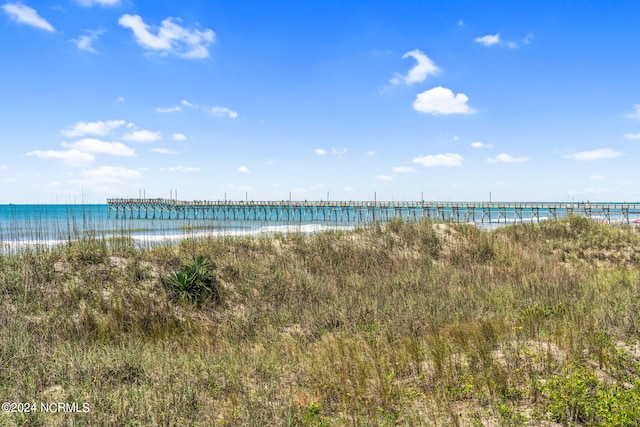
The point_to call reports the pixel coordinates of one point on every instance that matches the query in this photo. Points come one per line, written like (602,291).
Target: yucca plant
(195,282)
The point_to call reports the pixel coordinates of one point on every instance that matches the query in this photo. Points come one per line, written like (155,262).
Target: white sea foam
(11,246)
(264,230)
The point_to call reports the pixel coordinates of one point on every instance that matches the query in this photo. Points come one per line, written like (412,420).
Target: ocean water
(28,225)
(32,225)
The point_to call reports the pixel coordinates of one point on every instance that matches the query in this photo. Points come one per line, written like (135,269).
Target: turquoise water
(24,225)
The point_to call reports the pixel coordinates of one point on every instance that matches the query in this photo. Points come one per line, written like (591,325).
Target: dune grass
(406,323)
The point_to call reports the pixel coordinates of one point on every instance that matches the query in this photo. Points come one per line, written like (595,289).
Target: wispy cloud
(506,158)
(223,112)
(596,177)
(179,137)
(98,2)
(215,111)
(170,37)
(142,136)
(384,178)
(371,153)
(335,152)
(71,157)
(419,72)
(243,169)
(85,41)
(99,128)
(92,145)
(635,114)
(111,174)
(163,151)
(183,169)
(447,159)
(632,135)
(478,144)
(602,153)
(494,39)
(488,40)
(168,109)
(403,169)
(23,14)
(442,101)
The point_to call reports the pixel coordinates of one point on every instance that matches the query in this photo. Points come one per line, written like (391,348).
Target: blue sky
(528,100)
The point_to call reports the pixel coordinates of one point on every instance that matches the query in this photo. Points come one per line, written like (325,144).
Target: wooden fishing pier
(363,211)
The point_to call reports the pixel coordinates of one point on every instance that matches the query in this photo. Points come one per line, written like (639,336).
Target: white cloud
(142,136)
(111,174)
(223,112)
(98,128)
(85,41)
(448,159)
(120,99)
(478,144)
(168,109)
(460,24)
(92,145)
(243,169)
(216,111)
(338,152)
(170,37)
(441,101)
(596,177)
(488,40)
(602,153)
(594,190)
(527,39)
(636,113)
(403,169)
(419,72)
(506,158)
(179,137)
(3,168)
(163,151)
(183,169)
(384,178)
(632,135)
(98,2)
(25,15)
(371,153)
(320,151)
(71,157)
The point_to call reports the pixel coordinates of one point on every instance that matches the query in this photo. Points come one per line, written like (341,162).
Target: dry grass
(408,323)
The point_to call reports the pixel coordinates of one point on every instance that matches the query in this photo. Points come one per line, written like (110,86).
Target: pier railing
(363,211)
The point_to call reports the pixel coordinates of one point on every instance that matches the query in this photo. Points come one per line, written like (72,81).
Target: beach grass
(403,323)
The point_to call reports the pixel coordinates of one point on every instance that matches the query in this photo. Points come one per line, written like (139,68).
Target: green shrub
(580,397)
(195,282)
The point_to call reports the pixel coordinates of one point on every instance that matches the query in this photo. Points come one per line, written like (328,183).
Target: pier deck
(363,211)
